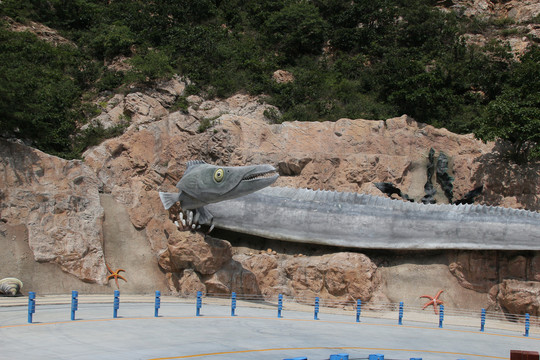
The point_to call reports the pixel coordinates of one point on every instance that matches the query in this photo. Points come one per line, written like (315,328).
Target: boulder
(520,297)
(188,250)
(338,277)
(189,284)
(232,277)
(282,76)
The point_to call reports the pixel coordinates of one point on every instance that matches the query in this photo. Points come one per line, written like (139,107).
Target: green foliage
(38,90)
(297,29)
(350,58)
(181,103)
(273,115)
(206,124)
(514,115)
(110,80)
(94,135)
(153,65)
(108,41)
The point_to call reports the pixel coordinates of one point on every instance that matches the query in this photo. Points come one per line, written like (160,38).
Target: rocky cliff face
(56,205)
(520,31)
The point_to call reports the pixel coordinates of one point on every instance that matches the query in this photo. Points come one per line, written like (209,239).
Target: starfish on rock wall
(433,301)
(115,275)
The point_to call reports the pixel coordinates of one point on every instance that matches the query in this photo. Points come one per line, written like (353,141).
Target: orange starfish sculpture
(115,275)
(433,301)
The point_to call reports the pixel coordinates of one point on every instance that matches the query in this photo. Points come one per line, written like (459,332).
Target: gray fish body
(371,222)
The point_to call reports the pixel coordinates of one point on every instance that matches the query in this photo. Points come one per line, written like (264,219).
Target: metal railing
(398,312)
(461,317)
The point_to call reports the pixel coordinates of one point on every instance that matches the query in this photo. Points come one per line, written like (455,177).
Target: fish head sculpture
(212,183)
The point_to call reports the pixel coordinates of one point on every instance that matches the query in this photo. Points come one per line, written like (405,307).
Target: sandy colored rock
(190,283)
(268,274)
(232,278)
(282,76)
(43,32)
(520,297)
(187,250)
(407,282)
(143,108)
(57,202)
(480,271)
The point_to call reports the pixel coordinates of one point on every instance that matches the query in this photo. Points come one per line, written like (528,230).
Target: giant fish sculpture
(353,220)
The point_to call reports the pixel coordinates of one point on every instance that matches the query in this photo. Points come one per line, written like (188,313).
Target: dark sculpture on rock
(443,178)
(469,197)
(429,189)
(389,189)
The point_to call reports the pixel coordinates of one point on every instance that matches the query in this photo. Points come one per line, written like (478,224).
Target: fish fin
(205,216)
(191,164)
(169,199)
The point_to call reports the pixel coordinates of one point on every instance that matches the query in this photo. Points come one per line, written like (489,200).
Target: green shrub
(153,65)
(296,29)
(108,41)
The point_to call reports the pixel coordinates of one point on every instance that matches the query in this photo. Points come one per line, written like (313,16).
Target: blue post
(31,305)
(199,303)
(416,359)
(316,315)
(157,304)
(116,303)
(527,323)
(483,320)
(441,315)
(279,305)
(376,357)
(233,304)
(339,357)
(358,309)
(400,319)
(74,303)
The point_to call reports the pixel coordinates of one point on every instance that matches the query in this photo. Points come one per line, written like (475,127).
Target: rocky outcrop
(282,76)
(205,255)
(196,263)
(480,271)
(520,30)
(348,155)
(519,297)
(43,32)
(57,202)
(518,10)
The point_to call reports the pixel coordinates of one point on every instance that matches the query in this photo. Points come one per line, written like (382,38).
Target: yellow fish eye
(218,175)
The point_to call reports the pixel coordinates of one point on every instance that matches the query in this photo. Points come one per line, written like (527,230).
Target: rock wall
(55,205)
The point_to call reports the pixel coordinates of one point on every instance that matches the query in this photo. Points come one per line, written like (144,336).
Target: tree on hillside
(514,116)
(38,89)
(296,30)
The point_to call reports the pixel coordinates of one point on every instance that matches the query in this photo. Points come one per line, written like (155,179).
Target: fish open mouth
(261,175)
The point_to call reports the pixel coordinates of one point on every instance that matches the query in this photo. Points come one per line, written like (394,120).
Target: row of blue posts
(346,357)
(157,305)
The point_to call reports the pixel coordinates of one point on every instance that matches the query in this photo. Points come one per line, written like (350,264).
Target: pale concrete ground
(255,333)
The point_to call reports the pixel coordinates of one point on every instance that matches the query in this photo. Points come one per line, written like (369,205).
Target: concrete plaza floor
(255,333)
